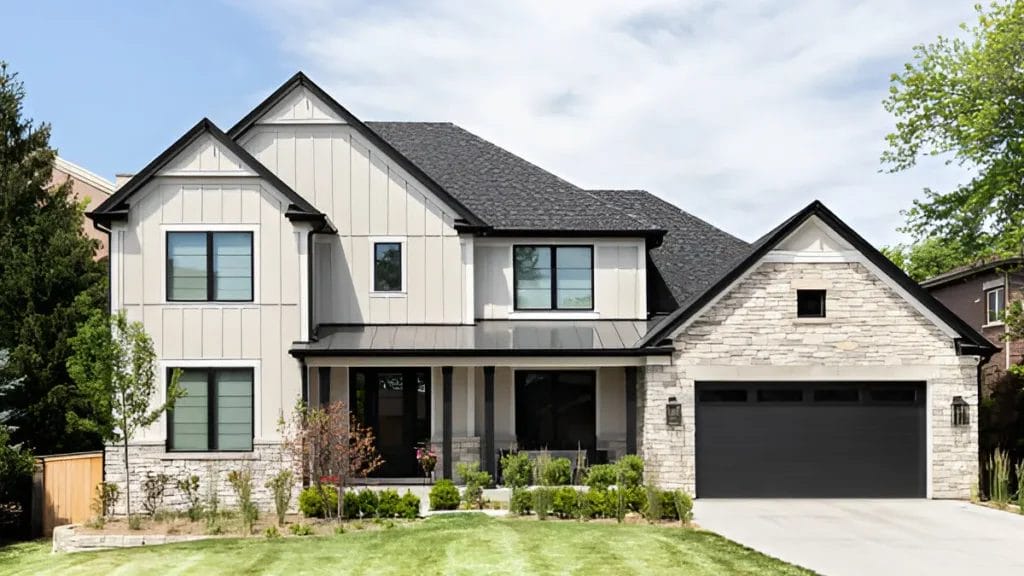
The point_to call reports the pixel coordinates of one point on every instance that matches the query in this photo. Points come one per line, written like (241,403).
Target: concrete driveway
(873,537)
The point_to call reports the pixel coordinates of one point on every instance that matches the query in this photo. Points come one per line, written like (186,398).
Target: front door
(395,403)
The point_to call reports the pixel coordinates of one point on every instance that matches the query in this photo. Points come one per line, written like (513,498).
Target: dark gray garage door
(810,440)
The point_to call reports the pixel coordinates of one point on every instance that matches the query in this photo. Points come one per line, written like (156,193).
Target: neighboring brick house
(979,294)
(85,186)
(455,294)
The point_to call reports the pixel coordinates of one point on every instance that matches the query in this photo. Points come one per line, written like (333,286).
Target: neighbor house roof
(487,337)
(969,270)
(693,252)
(508,192)
(970,342)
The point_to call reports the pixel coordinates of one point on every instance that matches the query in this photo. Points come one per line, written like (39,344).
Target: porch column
(446,379)
(323,380)
(304,375)
(489,456)
(630,409)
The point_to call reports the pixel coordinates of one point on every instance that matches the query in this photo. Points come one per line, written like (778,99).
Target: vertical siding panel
(270,364)
(345,302)
(232,204)
(213,336)
(606,282)
(286,155)
(191,204)
(417,282)
(627,282)
(360,189)
(341,163)
(289,271)
(171,203)
(263,146)
(251,201)
(231,333)
(172,333)
(452,279)
(304,177)
(398,310)
(206,160)
(270,248)
(152,267)
(360,256)
(378,196)
(323,177)
(251,332)
(286,388)
(131,288)
(192,329)
(379,310)
(447,224)
(432,224)
(212,204)
(152,318)
(433,294)
(396,205)
(414,211)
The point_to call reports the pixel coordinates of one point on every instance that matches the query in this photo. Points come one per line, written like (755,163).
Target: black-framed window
(556,409)
(810,303)
(553,277)
(995,305)
(209,267)
(387,266)
(216,413)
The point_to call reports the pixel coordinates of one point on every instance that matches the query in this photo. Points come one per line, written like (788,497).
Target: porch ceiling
(485,338)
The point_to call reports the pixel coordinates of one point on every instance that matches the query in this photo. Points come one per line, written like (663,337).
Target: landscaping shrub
(444,496)
(388,503)
(1020,486)
(601,476)
(368,501)
(281,487)
(668,505)
(631,467)
(135,522)
(598,504)
(635,499)
(316,502)
(212,504)
(189,487)
(301,529)
(543,501)
(566,502)
(684,506)
(652,511)
(999,478)
(521,502)
(476,480)
(241,484)
(516,469)
(153,488)
(107,495)
(410,506)
(351,504)
(272,532)
(557,472)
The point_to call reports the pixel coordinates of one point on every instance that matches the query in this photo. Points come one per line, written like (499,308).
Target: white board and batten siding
(368,198)
(620,285)
(200,192)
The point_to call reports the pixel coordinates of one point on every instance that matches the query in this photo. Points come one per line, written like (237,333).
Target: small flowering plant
(427,459)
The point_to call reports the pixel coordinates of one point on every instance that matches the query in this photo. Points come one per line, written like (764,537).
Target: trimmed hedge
(444,496)
(365,503)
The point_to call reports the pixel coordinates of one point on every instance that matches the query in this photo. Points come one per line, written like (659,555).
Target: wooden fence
(65,492)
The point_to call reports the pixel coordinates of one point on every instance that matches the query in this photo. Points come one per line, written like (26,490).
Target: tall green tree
(962,98)
(929,257)
(114,364)
(49,283)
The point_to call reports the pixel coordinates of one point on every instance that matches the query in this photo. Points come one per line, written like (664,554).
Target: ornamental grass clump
(999,478)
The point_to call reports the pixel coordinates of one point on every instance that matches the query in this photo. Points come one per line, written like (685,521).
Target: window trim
(211,409)
(1001,291)
(210,230)
(554,279)
(401,241)
(824,303)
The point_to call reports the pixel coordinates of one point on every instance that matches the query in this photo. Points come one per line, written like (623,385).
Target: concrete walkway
(874,537)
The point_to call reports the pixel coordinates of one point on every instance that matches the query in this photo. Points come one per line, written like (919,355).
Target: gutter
(303,353)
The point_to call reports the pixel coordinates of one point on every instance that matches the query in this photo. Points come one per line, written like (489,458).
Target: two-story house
(979,294)
(451,292)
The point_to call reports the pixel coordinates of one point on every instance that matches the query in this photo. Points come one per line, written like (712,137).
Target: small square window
(810,303)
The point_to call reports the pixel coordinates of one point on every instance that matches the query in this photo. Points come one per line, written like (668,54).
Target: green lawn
(458,544)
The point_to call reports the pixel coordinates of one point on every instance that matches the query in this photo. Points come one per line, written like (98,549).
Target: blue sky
(740,112)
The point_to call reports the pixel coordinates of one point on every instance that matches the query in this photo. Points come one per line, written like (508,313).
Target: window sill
(812,321)
(388,294)
(209,456)
(993,325)
(208,304)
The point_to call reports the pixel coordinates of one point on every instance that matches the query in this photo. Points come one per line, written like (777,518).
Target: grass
(451,544)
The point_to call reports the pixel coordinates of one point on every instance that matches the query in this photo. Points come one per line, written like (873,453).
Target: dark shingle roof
(693,253)
(504,190)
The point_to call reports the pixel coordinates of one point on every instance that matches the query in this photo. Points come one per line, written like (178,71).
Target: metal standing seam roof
(560,337)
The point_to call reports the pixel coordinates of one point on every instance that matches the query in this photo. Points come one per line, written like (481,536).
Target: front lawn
(451,544)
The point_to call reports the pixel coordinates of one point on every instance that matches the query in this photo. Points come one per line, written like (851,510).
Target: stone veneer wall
(465,450)
(870,333)
(265,461)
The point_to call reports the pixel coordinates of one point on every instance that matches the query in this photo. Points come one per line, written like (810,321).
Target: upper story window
(216,414)
(996,305)
(810,303)
(209,267)
(553,277)
(387,267)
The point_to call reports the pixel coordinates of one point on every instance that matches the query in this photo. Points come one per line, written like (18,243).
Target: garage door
(810,440)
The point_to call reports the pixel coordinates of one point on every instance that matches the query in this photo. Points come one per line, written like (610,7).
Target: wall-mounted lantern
(673,412)
(961,412)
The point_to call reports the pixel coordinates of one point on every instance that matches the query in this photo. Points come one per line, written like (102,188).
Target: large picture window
(555,410)
(209,267)
(216,414)
(553,277)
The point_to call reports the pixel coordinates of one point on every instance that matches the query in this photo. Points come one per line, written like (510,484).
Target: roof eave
(299,352)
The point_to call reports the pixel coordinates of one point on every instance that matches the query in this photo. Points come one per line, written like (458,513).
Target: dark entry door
(395,402)
(810,440)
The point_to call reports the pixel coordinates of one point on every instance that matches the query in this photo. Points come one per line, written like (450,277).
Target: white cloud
(740,112)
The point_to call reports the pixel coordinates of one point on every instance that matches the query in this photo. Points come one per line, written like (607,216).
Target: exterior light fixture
(961,412)
(673,412)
